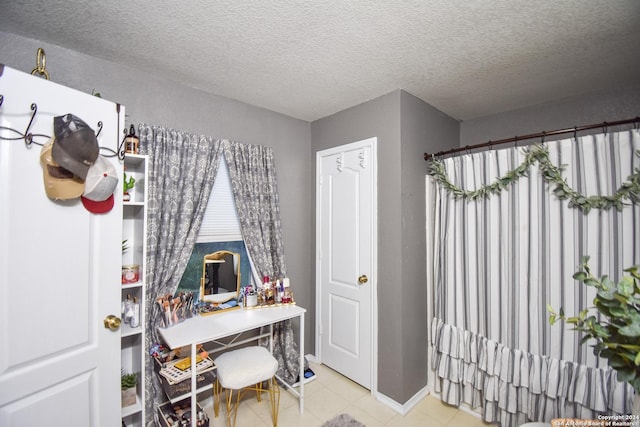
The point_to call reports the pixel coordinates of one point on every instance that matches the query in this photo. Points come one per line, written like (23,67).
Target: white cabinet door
(59,271)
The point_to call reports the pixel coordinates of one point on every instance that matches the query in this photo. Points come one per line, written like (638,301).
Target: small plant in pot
(128,384)
(127,185)
(617,330)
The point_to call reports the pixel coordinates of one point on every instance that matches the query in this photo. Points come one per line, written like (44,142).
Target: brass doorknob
(112,322)
(363,279)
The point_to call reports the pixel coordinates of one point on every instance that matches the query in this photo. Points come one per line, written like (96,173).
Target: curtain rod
(543,134)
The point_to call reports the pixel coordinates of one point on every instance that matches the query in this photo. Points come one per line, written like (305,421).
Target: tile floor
(331,394)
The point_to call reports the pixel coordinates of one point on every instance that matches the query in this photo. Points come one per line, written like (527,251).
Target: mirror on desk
(220,277)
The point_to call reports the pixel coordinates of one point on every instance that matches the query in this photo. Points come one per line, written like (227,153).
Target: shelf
(206,387)
(127,331)
(132,409)
(134,223)
(133,285)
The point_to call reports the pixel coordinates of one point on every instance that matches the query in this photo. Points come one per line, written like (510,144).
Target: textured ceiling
(310,59)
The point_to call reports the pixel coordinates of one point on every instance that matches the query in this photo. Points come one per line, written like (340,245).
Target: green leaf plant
(127,184)
(616,331)
(128,380)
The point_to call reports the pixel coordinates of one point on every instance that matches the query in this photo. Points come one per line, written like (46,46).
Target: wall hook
(28,137)
(121,147)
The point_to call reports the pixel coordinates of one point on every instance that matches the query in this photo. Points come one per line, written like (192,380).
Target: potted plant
(127,184)
(128,384)
(616,331)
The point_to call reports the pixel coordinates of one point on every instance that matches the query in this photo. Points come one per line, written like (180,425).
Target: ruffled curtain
(181,168)
(497,263)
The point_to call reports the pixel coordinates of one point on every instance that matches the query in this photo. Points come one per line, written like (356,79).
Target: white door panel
(343,311)
(59,271)
(345,238)
(30,410)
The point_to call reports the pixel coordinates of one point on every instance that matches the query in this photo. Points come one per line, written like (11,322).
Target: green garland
(629,190)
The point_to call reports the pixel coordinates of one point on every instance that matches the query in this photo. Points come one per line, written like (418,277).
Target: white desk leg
(301,397)
(194,374)
(271,338)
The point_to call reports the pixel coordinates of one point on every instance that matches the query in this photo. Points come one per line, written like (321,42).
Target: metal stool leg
(274,398)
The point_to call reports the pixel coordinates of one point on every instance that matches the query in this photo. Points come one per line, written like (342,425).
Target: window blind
(220,222)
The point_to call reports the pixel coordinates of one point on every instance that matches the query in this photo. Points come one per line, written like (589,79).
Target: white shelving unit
(134,231)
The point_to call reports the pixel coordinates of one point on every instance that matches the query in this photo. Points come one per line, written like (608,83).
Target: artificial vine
(629,190)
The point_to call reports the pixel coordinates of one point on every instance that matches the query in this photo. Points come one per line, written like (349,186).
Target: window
(220,229)
(220,222)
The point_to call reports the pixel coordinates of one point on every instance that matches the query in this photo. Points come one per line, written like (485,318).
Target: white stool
(242,370)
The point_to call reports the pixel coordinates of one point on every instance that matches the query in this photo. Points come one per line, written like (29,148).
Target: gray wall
(597,107)
(423,129)
(405,127)
(152,100)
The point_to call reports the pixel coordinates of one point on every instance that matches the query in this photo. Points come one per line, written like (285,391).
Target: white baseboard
(403,408)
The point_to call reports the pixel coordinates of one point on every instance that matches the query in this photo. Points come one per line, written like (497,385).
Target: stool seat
(244,367)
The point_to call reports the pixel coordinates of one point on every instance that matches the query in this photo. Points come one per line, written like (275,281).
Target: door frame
(371,143)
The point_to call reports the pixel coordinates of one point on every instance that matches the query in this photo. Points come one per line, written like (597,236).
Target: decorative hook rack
(28,137)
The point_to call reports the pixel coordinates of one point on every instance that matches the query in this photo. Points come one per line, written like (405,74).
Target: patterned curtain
(253,180)
(498,262)
(255,191)
(182,169)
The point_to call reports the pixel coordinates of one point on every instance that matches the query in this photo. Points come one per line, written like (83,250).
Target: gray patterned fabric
(182,168)
(255,192)
(285,350)
(499,261)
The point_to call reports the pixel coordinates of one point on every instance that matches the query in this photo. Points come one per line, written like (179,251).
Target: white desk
(202,329)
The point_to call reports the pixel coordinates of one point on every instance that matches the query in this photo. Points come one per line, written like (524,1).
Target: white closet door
(346,236)
(59,271)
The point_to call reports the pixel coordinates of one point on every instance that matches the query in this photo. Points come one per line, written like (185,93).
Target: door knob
(363,279)
(112,322)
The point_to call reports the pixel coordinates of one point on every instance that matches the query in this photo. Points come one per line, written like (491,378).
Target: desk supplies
(175,309)
(207,307)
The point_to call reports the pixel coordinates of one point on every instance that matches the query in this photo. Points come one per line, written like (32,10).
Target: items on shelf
(130,274)
(128,382)
(127,186)
(132,142)
(179,414)
(173,373)
(131,311)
